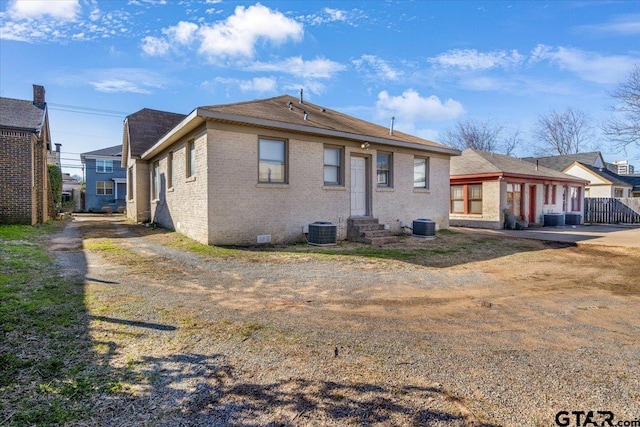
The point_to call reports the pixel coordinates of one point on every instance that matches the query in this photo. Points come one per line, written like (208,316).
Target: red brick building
(25,142)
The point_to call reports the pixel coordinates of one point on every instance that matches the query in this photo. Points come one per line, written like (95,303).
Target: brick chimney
(38,96)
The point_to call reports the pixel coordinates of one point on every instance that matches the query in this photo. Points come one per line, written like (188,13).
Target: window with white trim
(104,188)
(272,161)
(384,169)
(332,165)
(191,159)
(155,181)
(420,172)
(104,166)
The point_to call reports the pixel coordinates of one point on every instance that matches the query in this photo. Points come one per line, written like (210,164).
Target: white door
(358,186)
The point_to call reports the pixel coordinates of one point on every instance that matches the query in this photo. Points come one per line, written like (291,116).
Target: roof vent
(391,125)
(290,106)
(306,115)
(301,97)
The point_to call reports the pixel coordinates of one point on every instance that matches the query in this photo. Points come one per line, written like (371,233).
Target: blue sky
(426,63)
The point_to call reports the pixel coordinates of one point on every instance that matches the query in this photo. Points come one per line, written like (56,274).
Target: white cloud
(381,70)
(237,35)
(622,25)
(154,46)
(118,86)
(328,15)
(64,10)
(411,107)
(183,33)
(257,84)
(113,80)
(319,68)
(588,66)
(471,59)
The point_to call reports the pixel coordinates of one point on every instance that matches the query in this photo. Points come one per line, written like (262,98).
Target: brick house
(484,184)
(105,180)
(25,144)
(230,174)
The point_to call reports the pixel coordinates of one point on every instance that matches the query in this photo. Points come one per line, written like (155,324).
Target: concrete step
(375,233)
(362,220)
(381,240)
(369,227)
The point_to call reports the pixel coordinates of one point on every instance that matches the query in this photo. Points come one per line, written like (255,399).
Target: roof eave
(205,114)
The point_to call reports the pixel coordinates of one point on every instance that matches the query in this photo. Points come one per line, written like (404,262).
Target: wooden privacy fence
(609,210)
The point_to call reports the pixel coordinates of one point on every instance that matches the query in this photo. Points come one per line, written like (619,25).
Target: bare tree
(624,128)
(566,132)
(481,135)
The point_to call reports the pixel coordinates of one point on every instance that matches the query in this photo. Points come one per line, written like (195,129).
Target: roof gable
(115,151)
(603,174)
(145,127)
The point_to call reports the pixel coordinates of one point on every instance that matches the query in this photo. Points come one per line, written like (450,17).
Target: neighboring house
(602,181)
(263,170)
(634,180)
(105,178)
(71,192)
(602,177)
(142,129)
(25,144)
(484,184)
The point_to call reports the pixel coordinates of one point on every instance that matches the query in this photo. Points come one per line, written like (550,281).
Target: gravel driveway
(296,338)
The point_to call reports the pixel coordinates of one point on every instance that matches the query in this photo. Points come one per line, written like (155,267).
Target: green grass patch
(50,375)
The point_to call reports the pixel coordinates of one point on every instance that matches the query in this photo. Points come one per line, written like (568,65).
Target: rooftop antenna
(301,98)
(391,126)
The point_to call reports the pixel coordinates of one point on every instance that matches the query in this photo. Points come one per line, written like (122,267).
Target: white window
(420,172)
(191,159)
(272,161)
(155,181)
(104,188)
(384,169)
(332,166)
(170,169)
(104,166)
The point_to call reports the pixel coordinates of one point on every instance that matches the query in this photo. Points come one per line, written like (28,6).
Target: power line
(86,110)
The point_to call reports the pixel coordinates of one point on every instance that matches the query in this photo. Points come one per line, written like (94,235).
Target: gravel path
(297,339)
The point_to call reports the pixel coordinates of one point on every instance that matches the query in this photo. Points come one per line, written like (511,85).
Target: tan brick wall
(403,203)
(183,207)
(241,208)
(138,199)
(225,204)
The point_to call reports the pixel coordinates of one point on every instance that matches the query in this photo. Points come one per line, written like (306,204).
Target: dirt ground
(456,331)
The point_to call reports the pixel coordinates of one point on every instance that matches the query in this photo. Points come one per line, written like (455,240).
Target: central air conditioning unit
(571,218)
(322,233)
(423,227)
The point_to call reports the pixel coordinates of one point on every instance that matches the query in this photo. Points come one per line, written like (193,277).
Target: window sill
(155,200)
(421,190)
(190,179)
(170,190)
(385,189)
(275,185)
(334,187)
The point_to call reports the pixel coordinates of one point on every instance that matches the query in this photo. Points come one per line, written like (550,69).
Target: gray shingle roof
(560,163)
(481,162)
(613,177)
(147,126)
(288,109)
(21,114)
(115,151)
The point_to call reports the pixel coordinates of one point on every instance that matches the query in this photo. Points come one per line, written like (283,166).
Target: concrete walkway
(608,235)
